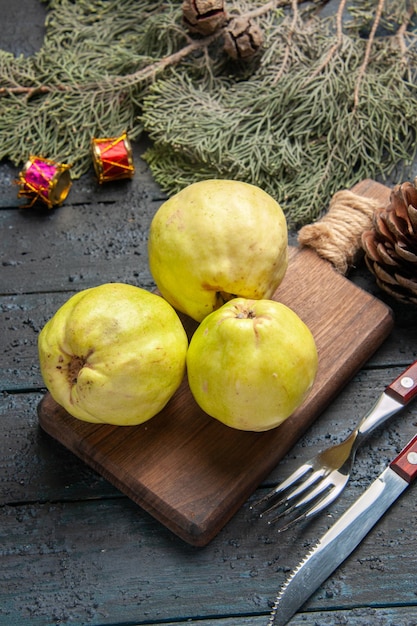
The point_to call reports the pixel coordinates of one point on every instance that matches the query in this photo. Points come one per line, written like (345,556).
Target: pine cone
(203,16)
(391,245)
(242,38)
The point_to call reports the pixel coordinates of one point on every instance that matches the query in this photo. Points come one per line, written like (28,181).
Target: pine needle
(325,104)
(302,137)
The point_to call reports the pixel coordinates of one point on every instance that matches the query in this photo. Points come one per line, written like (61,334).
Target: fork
(319,481)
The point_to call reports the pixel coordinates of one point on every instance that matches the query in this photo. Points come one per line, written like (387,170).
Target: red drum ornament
(45,180)
(112,157)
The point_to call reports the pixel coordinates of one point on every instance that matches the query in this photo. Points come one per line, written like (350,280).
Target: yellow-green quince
(113,354)
(216,240)
(251,363)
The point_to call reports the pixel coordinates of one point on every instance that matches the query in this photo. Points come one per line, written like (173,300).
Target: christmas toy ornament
(112,158)
(391,244)
(45,180)
(203,16)
(242,38)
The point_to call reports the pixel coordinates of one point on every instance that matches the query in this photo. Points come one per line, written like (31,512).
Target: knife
(345,535)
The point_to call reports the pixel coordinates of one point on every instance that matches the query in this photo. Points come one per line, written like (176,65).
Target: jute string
(336,237)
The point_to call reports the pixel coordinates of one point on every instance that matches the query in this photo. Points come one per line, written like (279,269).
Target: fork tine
(294,478)
(287,498)
(325,501)
(315,493)
(303,503)
(306,484)
(328,492)
(309,513)
(291,523)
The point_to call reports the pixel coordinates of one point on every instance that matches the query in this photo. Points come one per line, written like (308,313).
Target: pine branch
(295,20)
(297,137)
(145,74)
(334,49)
(121,82)
(401,34)
(285,121)
(157,67)
(369,45)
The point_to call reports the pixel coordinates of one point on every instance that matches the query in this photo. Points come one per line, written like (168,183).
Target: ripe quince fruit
(251,363)
(216,240)
(113,354)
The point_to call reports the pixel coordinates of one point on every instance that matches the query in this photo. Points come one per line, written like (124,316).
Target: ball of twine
(336,237)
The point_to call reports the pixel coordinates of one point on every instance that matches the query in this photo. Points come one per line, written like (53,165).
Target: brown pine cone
(203,16)
(391,245)
(242,38)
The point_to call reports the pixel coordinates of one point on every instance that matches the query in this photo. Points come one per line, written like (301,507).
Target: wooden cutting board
(191,472)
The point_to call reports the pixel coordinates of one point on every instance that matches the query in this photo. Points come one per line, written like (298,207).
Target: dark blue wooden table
(73,549)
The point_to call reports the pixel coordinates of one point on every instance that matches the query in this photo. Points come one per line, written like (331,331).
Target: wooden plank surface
(74,552)
(191,472)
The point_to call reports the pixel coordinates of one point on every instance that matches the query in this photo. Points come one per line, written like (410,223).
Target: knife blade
(345,535)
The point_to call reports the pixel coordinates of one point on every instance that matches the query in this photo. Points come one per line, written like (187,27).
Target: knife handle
(404,387)
(405,464)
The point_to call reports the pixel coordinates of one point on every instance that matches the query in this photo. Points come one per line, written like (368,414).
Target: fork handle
(396,396)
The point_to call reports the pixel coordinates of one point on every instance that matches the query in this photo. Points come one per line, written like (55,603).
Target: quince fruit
(251,363)
(216,240)
(113,354)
